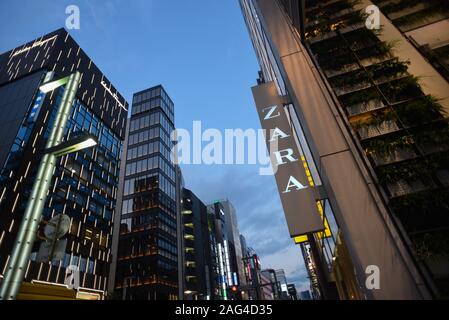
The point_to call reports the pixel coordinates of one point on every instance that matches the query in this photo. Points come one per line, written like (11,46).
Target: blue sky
(200,51)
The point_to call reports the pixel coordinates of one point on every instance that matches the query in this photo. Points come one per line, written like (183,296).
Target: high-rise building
(252,269)
(282,280)
(233,236)
(180,230)
(221,253)
(243,245)
(270,275)
(147,255)
(227,273)
(366,113)
(305,295)
(82,193)
(293,294)
(266,288)
(198,268)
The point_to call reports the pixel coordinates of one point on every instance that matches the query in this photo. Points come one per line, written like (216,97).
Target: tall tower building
(83,188)
(282,279)
(232,228)
(199,275)
(363,110)
(147,256)
(228,248)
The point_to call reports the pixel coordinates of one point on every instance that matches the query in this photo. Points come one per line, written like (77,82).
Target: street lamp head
(82,141)
(90,142)
(52,85)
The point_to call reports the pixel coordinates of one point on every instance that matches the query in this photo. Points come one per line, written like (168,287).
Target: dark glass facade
(228,264)
(84,183)
(199,276)
(147,259)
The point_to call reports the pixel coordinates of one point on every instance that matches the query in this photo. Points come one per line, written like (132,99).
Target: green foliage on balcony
(421,17)
(391,7)
(401,89)
(357,38)
(360,96)
(390,68)
(321,9)
(438,137)
(424,130)
(419,111)
(420,137)
(408,171)
(431,245)
(386,145)
(411,113)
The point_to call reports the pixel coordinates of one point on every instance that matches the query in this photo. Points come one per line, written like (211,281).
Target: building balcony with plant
(403,131)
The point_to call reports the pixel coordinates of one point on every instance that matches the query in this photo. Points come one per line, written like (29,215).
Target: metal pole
(32,216)
(54,240)
(327,291)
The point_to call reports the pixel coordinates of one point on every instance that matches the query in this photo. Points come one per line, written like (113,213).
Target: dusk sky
(200,51)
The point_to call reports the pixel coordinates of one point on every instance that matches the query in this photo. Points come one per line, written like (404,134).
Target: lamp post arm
(20,255)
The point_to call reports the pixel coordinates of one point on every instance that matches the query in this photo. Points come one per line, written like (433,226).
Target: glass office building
(147,259)
(367,109)
(84,184)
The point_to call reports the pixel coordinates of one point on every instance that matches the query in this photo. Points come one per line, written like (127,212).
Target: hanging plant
(431,245)
(423,202)
(356,17)
(338,62)
(386,146)
(351,78)
(360,96)
(389,68)
(398,6)
(402,89)
(419,111)
(437,7)
(377,118)
(432,136)
(408,171)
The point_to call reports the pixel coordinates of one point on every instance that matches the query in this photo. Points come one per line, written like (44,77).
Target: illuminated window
(189,237)
(88,234)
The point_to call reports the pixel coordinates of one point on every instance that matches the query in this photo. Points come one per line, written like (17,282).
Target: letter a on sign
(278,133)
(292,182)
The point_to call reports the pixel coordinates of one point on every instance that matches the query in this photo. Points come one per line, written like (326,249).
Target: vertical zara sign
(298,198)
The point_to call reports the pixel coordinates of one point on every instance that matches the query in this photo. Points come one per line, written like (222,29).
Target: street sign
(45,251)
(57,227)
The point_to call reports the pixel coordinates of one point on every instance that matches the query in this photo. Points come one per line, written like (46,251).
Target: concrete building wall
(364,220)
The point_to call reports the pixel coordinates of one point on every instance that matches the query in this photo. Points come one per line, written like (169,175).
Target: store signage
(38,43)
(297,197)
(114,95)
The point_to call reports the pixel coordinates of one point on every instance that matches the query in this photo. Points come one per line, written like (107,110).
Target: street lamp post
(28,229)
